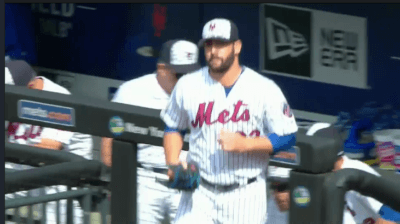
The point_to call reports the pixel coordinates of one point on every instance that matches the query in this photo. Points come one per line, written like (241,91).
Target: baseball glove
(187,180)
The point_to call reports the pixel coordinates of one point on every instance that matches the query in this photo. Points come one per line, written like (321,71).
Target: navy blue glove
(188,179)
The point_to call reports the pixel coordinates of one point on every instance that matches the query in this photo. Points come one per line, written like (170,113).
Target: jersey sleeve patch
(278,115)
(287,111)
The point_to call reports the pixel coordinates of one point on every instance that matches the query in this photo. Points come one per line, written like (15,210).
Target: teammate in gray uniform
(156,203)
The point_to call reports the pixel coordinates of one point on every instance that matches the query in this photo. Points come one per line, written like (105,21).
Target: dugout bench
(311,183)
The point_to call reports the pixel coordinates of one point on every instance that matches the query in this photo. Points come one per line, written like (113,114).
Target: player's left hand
(231,141)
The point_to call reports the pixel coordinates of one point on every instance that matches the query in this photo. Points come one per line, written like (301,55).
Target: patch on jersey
(301,196)
(116,126)
(287,111)
(48,113)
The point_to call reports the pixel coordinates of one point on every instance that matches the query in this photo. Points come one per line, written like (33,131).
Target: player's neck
(229,77)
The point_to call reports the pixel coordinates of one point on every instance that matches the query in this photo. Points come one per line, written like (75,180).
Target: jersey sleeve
(278,116)
(119,95)
(174,115)
(373,204)
(57,135)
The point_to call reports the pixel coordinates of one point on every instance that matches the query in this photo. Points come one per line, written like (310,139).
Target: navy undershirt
(228,89)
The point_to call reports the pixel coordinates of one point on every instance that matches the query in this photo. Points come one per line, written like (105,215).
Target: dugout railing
(52,168)
(130,125)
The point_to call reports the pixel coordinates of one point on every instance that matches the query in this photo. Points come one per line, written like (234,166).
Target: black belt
(226,187)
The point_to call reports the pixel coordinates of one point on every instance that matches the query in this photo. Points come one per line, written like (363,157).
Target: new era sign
(288,38)
(313,45)
(284,42)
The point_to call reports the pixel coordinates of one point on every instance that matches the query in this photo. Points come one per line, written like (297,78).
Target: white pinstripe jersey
(145,91)
(360,209)
(255,106)
(81,145)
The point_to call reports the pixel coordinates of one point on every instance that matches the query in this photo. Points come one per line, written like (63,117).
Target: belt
(227,187)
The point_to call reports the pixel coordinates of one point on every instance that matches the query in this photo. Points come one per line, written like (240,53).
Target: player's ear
(237,47)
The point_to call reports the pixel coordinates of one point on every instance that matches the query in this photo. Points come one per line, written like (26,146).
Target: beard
(224,66)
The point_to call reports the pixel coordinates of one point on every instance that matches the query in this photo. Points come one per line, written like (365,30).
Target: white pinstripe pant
(156,204)
(244,205)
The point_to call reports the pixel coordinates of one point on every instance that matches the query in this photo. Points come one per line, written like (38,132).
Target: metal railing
(31,205)
(31,210)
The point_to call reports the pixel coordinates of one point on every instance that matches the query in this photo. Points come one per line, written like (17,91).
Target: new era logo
(287,37)
(283,41)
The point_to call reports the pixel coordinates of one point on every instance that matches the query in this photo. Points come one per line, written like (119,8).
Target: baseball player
(237,119)
(49,138)
(156,202)
(358,209)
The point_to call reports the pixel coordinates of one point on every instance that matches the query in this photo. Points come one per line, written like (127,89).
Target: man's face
(219,55)
(281,196)
(168,77)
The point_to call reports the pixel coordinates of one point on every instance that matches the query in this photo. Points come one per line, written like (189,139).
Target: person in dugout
(358,209)
(20,73)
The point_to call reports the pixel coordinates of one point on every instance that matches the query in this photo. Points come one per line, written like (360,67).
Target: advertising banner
(313,45)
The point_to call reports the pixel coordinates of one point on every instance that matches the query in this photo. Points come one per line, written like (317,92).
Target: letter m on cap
(212,26)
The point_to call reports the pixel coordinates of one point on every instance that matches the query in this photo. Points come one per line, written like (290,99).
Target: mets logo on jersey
(116,126)
(301,196)
(286,110)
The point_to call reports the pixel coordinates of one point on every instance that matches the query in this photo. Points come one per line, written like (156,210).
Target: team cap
(21,72)
(181,55)
(219,29)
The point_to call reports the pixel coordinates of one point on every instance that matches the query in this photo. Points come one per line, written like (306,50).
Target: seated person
(48,138)
(358,209)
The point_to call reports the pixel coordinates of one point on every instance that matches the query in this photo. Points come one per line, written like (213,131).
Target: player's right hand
(171,174)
